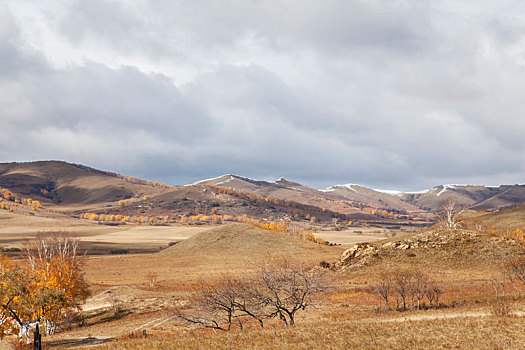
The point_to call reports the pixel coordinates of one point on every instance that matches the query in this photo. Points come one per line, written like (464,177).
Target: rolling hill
(61,183)
(353,205)
(246,242)
(504,220)
(475,197)
(76,188)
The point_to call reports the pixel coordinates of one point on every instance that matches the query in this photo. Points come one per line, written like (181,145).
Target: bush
(119,251)
(324,264)
(501,308)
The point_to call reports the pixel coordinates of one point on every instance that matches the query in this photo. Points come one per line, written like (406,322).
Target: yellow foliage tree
(40,291)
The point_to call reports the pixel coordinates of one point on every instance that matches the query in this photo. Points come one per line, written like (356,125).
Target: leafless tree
(286,287)
(516,269)
(417,285)
(402,280)
(450,215)
(406,284)
(433,292)
(221,305)
(501,305)
(384,288)
(151,278)
(278,289)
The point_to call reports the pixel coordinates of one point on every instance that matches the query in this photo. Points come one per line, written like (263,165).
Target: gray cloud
(388,94)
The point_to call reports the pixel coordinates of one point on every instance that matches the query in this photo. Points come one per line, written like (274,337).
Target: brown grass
(459,333)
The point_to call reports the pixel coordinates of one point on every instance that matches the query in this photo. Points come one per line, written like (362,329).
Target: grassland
(124,301)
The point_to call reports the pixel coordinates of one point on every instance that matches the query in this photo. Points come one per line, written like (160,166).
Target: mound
(247,241)
(445,248)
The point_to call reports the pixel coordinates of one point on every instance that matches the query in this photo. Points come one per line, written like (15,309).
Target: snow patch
(419,192)
(445,188)
(392,192)
(225,181)
(214,178)
(400,193)
(334,187)
(329,189)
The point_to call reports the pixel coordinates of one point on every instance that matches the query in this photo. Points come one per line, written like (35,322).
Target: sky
(389,94)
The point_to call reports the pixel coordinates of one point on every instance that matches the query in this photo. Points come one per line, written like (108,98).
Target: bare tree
(433,292)
(278,289)
(402,280)
(450,215)
(151,278)
(286,287)
(384,288)
(516,269)
(407,284)
(221,305)
(515,272)
(417,284)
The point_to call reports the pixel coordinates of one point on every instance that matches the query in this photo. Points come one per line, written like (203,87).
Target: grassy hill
(245,242)
(61,183)
(507,219)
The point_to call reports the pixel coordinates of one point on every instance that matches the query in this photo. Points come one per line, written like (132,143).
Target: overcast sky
(389,94)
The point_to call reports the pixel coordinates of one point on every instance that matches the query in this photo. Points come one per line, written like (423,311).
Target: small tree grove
(409,288)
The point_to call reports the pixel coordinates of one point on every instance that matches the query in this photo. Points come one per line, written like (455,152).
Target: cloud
(397,94)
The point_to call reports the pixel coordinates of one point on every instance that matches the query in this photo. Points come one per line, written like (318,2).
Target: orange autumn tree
(15,286)
(56,264)
(40,291)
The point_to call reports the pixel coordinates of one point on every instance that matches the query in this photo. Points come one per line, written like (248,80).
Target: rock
(389,245)
(352,253)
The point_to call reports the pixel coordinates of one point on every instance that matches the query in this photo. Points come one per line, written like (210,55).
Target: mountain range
(73,187)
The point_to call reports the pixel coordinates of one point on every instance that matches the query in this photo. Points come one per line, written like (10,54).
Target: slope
(291,191)
(503,220)
(61,183)
(246,242)
(379,198)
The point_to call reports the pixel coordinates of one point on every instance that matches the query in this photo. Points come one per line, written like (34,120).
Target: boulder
(356,251)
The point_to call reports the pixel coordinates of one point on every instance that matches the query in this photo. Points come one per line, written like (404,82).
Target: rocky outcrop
(355,252)
(450,245)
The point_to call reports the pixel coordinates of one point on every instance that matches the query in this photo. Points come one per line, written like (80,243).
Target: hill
(61,183)
(475,197)
(503,220)
(443,249)
(381,199)
(76,189)
(246,242)
(284,189)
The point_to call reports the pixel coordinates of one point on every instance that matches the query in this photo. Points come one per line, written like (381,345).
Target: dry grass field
(15,229)
(355,235)
(136,292)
